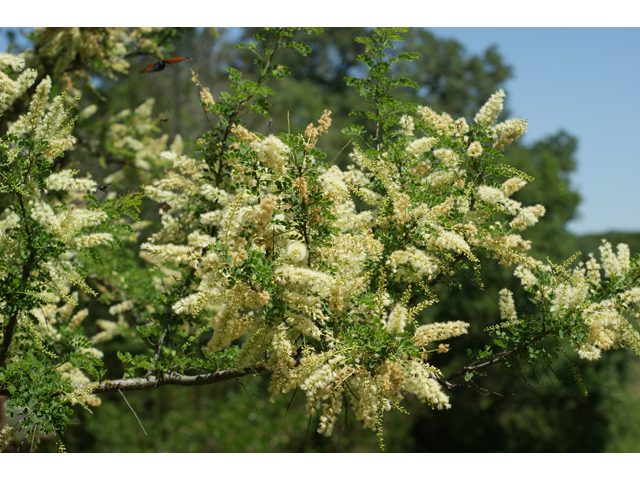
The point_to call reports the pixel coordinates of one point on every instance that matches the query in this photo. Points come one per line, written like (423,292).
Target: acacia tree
(262,260)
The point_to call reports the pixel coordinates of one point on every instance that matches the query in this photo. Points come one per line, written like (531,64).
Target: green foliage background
(527,411)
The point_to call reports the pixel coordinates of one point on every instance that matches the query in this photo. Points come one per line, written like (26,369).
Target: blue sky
(587,82)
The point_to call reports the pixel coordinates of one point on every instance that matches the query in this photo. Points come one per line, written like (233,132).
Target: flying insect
(156,67)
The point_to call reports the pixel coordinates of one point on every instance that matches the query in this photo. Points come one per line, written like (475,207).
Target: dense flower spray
(312,274)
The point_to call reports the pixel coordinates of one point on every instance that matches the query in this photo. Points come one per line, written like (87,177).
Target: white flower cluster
(612,263)
(448,157)
(474,150)
(172,253)
(49,125)
(447,240)
(421,145)
(318,383)
(332,182)
(603,322)
(364,399)
(92,240)
(507,306)
(632,296)
(305,280)
(461,127)
(495,196)
(412,265)
(67,223)
(121,307)
(490,195)
(321,376)
(50,316)
(605,319)
(42,213)
(593,271)
(509,131)
(88,112)
(77,218)
(348,254)
(330,411)
(527,278)
(397,320)
(348,220)
(421,382)
(131,133)
(11,220)
(527,217)
(178,186)
(282,358)
(572,295)
(76,377)
(407,126)
(272,152)
(435,332)
(64,181)
(14,62)
(512,185)
(229,323)
(297,252)
(214,194)
(490,111)
(442,123)
(10,89)
(197,239)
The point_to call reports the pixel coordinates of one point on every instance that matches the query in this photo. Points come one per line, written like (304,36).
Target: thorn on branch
(134,413)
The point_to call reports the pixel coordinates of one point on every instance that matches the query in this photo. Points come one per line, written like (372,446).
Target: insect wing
(177,59)
(149,68)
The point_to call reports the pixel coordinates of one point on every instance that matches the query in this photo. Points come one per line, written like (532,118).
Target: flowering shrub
(268,257)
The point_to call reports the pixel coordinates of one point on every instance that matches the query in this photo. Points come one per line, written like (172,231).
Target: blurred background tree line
(535,409)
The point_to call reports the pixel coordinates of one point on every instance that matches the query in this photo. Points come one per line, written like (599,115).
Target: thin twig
(134,413)
(351,391)
(527,381)
(547,373)
(307,434)
(33,437)
(290,402)
(346,411)
(254,403)
(481,390)
(204,110)
(482,289)
(556,375)
(267,377)
(167,323)
(334,158)
(445,382)
(269,127)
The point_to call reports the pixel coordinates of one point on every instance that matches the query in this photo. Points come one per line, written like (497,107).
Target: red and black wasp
(156,67)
